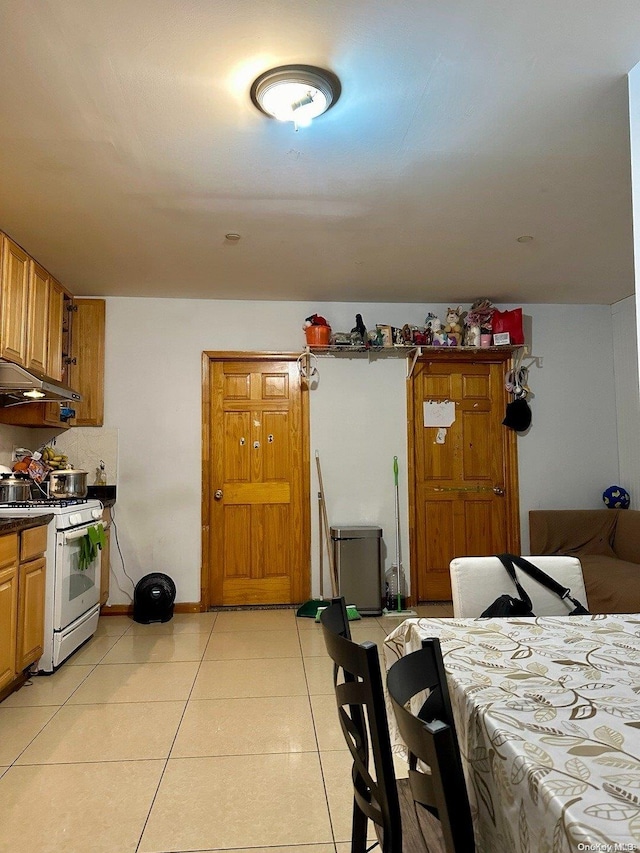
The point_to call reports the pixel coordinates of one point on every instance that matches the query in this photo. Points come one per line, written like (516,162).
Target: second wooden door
(464,495)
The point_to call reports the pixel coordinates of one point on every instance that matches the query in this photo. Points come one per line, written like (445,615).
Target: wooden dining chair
(431,740)
(363,719)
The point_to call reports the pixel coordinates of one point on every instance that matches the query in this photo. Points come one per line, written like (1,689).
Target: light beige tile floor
(213,731)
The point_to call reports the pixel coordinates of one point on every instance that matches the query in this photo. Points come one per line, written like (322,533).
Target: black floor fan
(153,599)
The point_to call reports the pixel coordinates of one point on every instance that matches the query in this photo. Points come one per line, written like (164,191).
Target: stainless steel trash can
(356,554)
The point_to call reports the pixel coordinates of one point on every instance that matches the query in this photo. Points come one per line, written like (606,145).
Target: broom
(310,608)
(352,612)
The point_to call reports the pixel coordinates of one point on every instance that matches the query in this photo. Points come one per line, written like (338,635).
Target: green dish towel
(89,544)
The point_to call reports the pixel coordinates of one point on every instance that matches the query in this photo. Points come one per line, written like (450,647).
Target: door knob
(218,494)
(498,491)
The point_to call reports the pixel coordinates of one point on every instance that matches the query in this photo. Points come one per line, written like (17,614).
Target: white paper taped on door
(439,413)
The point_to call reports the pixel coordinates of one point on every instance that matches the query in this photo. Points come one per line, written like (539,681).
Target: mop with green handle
(398,611)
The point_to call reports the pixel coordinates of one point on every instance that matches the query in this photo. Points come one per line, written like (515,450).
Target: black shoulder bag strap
(507,561)
(537,574)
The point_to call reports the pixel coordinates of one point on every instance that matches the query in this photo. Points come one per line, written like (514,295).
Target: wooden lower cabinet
(30,613)
(8,624)
(22,595)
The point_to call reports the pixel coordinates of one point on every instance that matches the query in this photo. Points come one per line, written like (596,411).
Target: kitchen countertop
(14,525)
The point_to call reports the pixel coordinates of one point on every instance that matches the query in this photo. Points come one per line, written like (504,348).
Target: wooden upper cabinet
(38,319)
(35,329)
(57,319)
(43,329)
(86,373)
(14,302)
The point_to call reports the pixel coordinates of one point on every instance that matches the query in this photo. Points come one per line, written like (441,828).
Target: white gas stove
(72,589)
(68,513)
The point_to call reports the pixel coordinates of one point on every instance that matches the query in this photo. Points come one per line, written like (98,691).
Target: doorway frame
(502,356)
(304,554)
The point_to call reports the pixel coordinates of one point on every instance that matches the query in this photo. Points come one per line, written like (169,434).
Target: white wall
(570,454)
(625,357)
(358,419)
(630,439)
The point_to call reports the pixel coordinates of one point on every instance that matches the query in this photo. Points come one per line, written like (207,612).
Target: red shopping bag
(508,321)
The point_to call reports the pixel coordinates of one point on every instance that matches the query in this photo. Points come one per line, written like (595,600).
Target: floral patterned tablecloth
(548,718)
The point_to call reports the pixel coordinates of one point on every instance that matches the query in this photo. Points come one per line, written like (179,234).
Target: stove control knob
(96,513)
(75,518)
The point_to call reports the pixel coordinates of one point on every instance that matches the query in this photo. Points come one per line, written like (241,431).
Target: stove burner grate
(51,502)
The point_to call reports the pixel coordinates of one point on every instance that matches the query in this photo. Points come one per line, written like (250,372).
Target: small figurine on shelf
(376,338)
(435,332)
(472,335)
(359,335)
(452,327)
(396,336)
(432,327)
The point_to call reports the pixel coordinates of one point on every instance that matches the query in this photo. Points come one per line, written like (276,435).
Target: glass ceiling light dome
(296,93)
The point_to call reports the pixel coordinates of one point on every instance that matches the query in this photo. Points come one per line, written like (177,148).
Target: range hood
(16,383)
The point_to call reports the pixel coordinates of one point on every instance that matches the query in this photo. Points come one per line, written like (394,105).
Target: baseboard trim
(127,609)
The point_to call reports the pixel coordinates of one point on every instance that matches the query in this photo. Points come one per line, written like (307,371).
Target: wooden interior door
(464,486)
(257,488)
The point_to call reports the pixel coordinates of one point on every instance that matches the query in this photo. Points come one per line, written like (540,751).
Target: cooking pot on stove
(15,487)
(68,483)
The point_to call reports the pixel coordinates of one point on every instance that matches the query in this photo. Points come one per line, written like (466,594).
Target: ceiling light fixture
(296,93)
(526,238)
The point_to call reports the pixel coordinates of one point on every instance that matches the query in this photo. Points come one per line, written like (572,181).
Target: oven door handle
(75,534)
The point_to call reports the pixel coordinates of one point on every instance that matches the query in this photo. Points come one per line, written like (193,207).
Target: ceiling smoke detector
(296,93)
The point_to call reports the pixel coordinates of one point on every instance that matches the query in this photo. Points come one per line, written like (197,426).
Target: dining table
(547,715)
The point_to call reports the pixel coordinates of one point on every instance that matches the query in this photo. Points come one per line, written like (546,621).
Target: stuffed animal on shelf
(452,327)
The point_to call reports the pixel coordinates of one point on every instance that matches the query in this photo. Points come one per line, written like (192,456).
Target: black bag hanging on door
(506,605)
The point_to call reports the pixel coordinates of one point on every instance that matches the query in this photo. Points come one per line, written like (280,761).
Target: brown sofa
(607,543)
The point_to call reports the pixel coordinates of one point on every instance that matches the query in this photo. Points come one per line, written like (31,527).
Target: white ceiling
(129,147)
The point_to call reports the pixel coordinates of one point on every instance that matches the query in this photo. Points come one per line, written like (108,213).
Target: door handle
(498,491)
(218,494)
